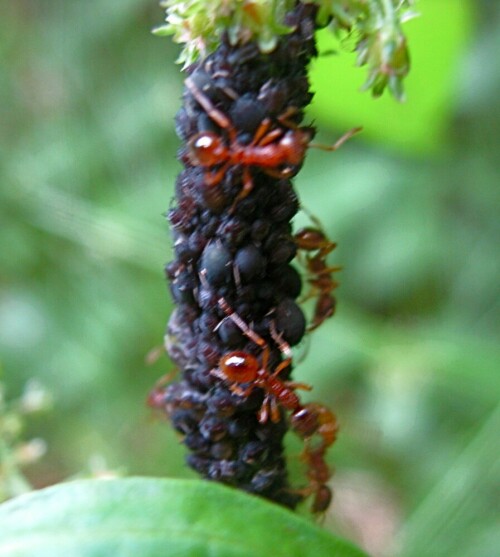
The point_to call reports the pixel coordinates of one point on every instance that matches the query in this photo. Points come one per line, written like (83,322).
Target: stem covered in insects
(236,292)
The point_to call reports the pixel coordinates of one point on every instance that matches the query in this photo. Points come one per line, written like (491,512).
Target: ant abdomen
(322,499)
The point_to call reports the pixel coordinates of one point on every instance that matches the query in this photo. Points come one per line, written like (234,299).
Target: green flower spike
(376,24)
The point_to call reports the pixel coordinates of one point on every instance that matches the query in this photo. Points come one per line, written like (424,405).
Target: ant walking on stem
(240,367)
(318,427)
(278,151)
(321,276)
(318,473)
(312,422)
(236,367)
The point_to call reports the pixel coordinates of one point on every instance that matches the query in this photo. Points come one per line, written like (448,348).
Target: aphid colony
(235,291)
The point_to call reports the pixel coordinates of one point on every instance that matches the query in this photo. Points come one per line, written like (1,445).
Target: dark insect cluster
(237,314)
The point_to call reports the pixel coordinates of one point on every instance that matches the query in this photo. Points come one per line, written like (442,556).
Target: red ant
(277,152)
(318,474)
(307,420)
(312,421)
(156,398)
(241,367)
(313,239)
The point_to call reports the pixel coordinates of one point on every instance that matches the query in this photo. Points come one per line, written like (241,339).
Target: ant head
(207,149)
(315,420)
(305,421)
(239,366)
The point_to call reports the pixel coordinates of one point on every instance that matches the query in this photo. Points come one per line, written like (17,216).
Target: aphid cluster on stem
(237,314)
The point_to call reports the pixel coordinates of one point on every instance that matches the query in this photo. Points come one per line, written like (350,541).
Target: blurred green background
(410,362)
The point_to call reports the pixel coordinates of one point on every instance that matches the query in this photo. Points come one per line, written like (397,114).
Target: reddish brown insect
(156,398)
(318,426)
(312,422)
(277,151)
(320,275)
(309,421)
(240,367)
(318,473)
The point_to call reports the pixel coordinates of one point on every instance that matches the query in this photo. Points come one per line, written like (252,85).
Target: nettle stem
(236,292)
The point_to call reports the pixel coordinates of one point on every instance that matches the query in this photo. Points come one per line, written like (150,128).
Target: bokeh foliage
(410,362)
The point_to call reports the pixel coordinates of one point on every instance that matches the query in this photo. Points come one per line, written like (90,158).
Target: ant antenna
(284,347)
(339,141)
(251,334)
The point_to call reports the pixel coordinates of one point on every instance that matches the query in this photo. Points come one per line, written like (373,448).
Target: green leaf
(156,517)
(437,39)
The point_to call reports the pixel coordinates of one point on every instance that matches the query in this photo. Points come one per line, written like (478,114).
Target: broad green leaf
(149,517)
(437,40)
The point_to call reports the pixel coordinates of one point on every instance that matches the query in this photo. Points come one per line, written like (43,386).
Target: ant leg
(284,118)
(156,397)
(244,393)
(274,410)
(234,388)
(216,372)
(267,410)
(261,132)
(280,367)
(165,379)
(270,137)
(339,142)
(263,138)
(321,272)
(154,354)
(325,308)
(294,385)
(213,178)
(314,219)
(246,188)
